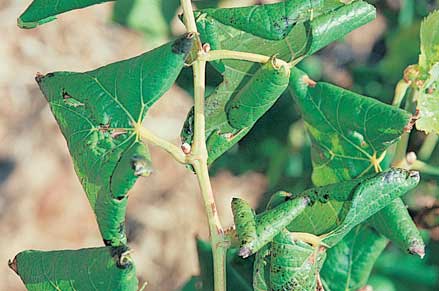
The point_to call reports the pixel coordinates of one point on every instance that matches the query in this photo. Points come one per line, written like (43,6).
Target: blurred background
(42,205)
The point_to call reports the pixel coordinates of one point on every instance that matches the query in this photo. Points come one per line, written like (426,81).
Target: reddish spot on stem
(213,206)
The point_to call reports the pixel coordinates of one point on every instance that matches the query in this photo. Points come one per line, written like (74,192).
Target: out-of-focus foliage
(151,17)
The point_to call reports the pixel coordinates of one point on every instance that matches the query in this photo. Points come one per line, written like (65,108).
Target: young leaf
(350,262)
(43,11)
(428,102)
(428,99)
(97,111)
(221,135)
(429,41)
(105,268)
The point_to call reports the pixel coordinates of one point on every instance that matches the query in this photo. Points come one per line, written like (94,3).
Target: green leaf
(359,199)
(304,39)
(104,268)
(255,232)
(257,96)
(428,99)
(349,263)
(371,196)
(348,131)
(270,21)
(429,41)
(395,223)
(97,111)
(428,103)
(343,153)
(151,17)
(43,11)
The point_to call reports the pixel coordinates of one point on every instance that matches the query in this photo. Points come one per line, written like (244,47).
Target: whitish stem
(428,146)
(198,157)
(400,91)
(401,146)
(309,238)
(188,15)
(425,168)
(244,56)
(151,138)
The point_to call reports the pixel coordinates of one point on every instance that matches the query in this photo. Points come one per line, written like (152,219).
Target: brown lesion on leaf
(122,256)
(13,265)
(412,76)
(104,127)
(65,95)
(412,121)
(213,207)
(39,77)
(229,136)
(114,132)
(141,166)
(69,100)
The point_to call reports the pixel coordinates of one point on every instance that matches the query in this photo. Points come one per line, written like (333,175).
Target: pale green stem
(172,149)
(428,147)
(198,158)
(401,147)
(400,91)
(244,56)
(425,168)
(188,15)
